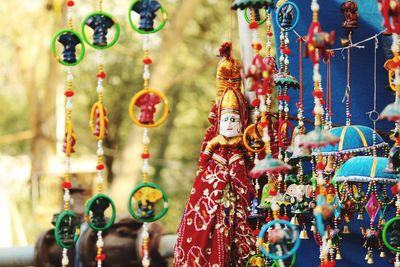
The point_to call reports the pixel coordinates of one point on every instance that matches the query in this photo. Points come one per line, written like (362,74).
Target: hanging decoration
(149,108)
(67,226)
(97,28)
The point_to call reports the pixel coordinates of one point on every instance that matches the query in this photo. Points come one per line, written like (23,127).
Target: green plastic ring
(58,222)
(276,262)
(54,49)
(116,35)
(136,29)
(112,219)
(246,17)
(384,232)
(159,215)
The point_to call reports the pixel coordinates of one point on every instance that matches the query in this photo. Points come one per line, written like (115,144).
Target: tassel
(346,230)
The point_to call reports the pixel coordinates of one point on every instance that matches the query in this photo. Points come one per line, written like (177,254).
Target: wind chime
(147,201)
(96,30)
(67,226)
(317,43)
(391,14)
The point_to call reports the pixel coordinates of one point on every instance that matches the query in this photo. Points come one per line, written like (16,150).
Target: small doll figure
(97,209)
(69,41)
(147,198)
(147,104)
(100,25)
(349,10)
(147,10)
(72,143)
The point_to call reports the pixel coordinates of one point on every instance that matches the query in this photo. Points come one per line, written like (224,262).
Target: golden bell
(382,254)
(370,260)
(338,256)
(360,216)
(294,220)
(346,230)
(313,228)
(304,234)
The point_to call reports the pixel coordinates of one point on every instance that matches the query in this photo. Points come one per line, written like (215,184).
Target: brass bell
(313,228)
(382,254)
(346,229)
(366,256)
(294,220)
(338,256)
(370,259)
(304,234)
(360,216)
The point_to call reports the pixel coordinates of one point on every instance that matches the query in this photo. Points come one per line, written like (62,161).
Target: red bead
(147,61)
(264,124)
(262,91)
(255,102)
(66,185)
(280,97)
(285,218)
(286,51)
(256,232)
(145,155)
(253,25)
(269,33)
(101,257)
(69,93)
(320,166)
(268,219)
(273,192)
(101,75)
(286,98)
(318,94)
(258,46)
(100,167)
(70,3)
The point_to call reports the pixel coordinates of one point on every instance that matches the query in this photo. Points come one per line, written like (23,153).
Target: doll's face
(230,125)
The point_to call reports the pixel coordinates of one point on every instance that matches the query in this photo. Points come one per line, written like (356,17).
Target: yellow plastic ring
(245,143)
(98,106)
(157,123)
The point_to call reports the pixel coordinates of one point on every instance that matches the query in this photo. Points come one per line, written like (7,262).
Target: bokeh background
(32,106)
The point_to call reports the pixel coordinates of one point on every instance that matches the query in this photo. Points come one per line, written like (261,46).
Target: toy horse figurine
(69,41)
(147,10)
(100,24)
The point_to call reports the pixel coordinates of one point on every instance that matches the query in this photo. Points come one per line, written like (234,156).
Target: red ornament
(69,93)
(100,167)
(101,75)
(70,3)
(67,185)
(147,61)
(256,102)
(256,232)
(145,155)
(253,25)
(318,93)
(273,192)
(320,166)
(101,257)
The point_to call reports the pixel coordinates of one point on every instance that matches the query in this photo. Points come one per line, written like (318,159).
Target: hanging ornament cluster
(100,30)
(67,226)
(148,108)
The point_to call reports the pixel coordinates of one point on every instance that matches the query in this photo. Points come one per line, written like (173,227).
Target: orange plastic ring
(98,106)
(245,143)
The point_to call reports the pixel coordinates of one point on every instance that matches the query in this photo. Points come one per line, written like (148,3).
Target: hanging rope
(301,70)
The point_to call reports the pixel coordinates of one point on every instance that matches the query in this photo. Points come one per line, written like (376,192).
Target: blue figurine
(69,41)
(147,10)
(100,25)
(286,16)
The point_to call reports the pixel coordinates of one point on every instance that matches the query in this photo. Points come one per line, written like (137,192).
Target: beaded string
(70,137)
